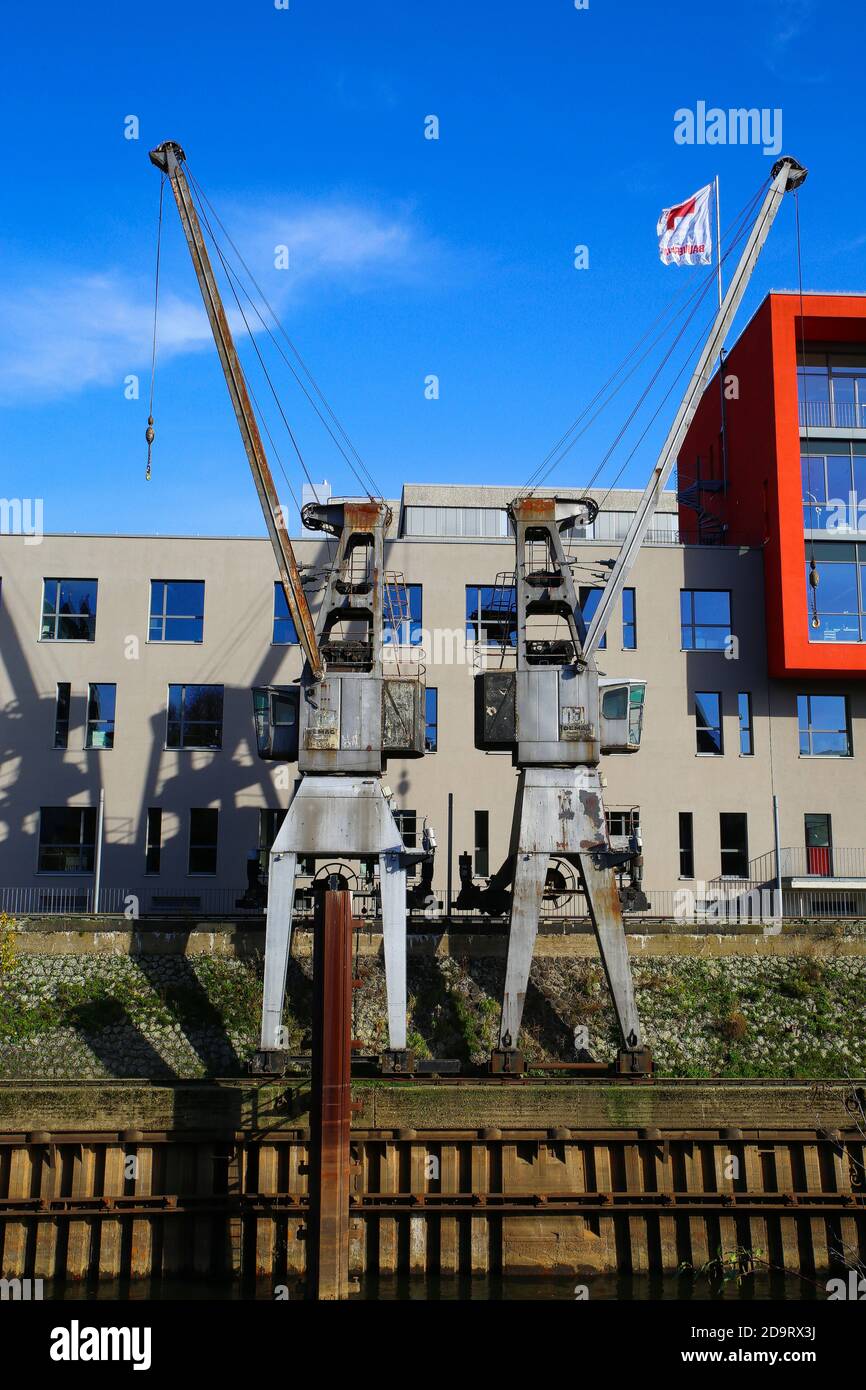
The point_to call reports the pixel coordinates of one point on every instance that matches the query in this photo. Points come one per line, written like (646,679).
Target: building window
(489,522)
(401,623)
(708,721)
(687,845)
(589,599)
(61,715)
(705,619)
(195,716)
(734,842)
(203,835)
(832,391)
(747,737)
(491,614)
(622,823)
(431,720)
(819,845)
(67,839)
(825,726)
(269,823)
(101,701)
(629,621)
(285,632)
(482,843)
(840,598)
(176,610)
(68,610)
(407,824)
(834,485)
(153,840)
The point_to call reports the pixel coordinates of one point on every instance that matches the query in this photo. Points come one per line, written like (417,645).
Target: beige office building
(127,665)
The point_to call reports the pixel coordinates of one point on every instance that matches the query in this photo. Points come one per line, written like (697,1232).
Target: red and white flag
(684,231)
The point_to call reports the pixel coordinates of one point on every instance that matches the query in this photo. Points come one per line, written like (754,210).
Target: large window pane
(194,716)
(838,479)
(68,610)
(589,599)
(67,839)
(744,710)
(840,597)
(837,588)
(708,721)
(491,614)
(203,835)
(285,633)
(734,844)
(824,726)
(61,715)
(687,845)
(482,843)
(629,620)
(705,619)
(402,614)
(431,724)
(176,610)
(101,702)
(153,840)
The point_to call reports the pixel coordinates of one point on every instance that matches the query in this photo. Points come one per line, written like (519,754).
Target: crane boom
(169,158)
(787,174)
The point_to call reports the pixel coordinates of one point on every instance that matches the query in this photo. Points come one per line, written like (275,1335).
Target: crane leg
(530,873)
(602,900)
(278,942)
(392,882)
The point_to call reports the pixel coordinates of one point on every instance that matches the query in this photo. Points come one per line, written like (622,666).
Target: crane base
(271,1061)
(634,1061)
(507,1061)
(397,1061)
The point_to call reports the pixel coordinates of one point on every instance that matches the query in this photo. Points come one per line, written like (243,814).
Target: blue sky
(408,257)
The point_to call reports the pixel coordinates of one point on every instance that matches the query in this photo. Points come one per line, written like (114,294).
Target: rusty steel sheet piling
(331,1097)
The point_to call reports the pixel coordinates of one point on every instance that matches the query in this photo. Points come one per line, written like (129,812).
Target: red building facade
(788,472)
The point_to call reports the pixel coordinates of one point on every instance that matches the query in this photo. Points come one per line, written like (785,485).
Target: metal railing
(833,415)
(800,861)
(710,906)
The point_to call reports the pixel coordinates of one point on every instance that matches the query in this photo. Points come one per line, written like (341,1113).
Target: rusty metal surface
(527,509)
(331,1100)
(244,1205)
(392,1203)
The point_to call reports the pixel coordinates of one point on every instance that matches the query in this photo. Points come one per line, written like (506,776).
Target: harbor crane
(554,711)
(348,713)
(558,717)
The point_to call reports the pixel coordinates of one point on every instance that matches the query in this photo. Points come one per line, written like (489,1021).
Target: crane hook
(813,584)
(149,435)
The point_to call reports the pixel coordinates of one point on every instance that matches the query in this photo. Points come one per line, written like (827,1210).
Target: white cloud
(791,20)
(68,329)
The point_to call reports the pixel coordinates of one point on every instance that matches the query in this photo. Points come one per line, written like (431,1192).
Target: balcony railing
(833,415)
(811,861)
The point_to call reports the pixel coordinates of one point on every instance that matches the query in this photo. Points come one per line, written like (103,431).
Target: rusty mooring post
(331,1100)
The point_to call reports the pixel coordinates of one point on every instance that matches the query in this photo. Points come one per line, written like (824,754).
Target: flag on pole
(684,231)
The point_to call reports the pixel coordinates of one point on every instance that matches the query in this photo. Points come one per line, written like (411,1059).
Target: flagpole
(718,243)
(724,422)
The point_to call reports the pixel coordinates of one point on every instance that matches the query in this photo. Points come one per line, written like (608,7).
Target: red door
(819,846)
